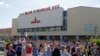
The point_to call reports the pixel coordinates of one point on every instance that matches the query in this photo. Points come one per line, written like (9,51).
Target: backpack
(19,48)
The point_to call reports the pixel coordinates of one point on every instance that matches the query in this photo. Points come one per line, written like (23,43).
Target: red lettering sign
(30,12)
(35,21)
(41,10)
(48,8)
(55,7)
(26,13)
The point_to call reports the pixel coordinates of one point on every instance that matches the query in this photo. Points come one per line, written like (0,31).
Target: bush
(96,40)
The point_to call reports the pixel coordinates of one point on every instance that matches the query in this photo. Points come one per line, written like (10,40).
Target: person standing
(19,49)
(63,52)
(11,51)
(98,51)
(29,49)
(56,51)
(35,51)
(73,50)
(40,53)
(48,52)
(23,48)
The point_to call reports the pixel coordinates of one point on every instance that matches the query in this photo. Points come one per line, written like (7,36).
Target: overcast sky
(10,9)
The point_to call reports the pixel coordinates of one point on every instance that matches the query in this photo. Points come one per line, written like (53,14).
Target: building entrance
(42,37)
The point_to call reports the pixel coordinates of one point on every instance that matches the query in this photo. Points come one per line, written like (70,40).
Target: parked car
(2,45)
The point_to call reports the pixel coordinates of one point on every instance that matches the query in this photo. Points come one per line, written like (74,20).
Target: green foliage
(7,40)
(95,39)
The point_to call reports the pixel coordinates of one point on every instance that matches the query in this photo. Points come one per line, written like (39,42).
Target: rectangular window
(89,27)
(65,13)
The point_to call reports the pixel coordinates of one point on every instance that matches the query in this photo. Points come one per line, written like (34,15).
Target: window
(64,27)
(90,27)
(64,13)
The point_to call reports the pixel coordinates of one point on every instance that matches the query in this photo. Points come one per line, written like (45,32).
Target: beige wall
(14,27)
(79,16)
(76,18)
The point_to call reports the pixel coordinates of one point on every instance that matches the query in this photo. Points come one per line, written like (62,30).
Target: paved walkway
(1,53)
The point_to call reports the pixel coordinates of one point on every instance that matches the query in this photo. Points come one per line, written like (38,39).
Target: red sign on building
(35,21)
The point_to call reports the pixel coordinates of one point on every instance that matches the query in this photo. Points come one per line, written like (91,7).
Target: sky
(10,9)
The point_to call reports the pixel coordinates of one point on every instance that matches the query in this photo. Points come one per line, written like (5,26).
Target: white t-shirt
(40,54)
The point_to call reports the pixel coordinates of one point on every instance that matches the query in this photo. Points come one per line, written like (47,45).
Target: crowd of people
(25,47)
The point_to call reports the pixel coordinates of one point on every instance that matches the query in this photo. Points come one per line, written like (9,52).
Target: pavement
(1,53)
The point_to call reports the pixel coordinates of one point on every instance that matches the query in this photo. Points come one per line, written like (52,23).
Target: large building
(57,23)
(5,33)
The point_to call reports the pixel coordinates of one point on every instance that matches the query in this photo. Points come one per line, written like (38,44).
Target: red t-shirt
(29,50)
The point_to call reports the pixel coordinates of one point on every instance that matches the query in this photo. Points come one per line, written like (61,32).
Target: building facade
(5,33)
(57,23)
